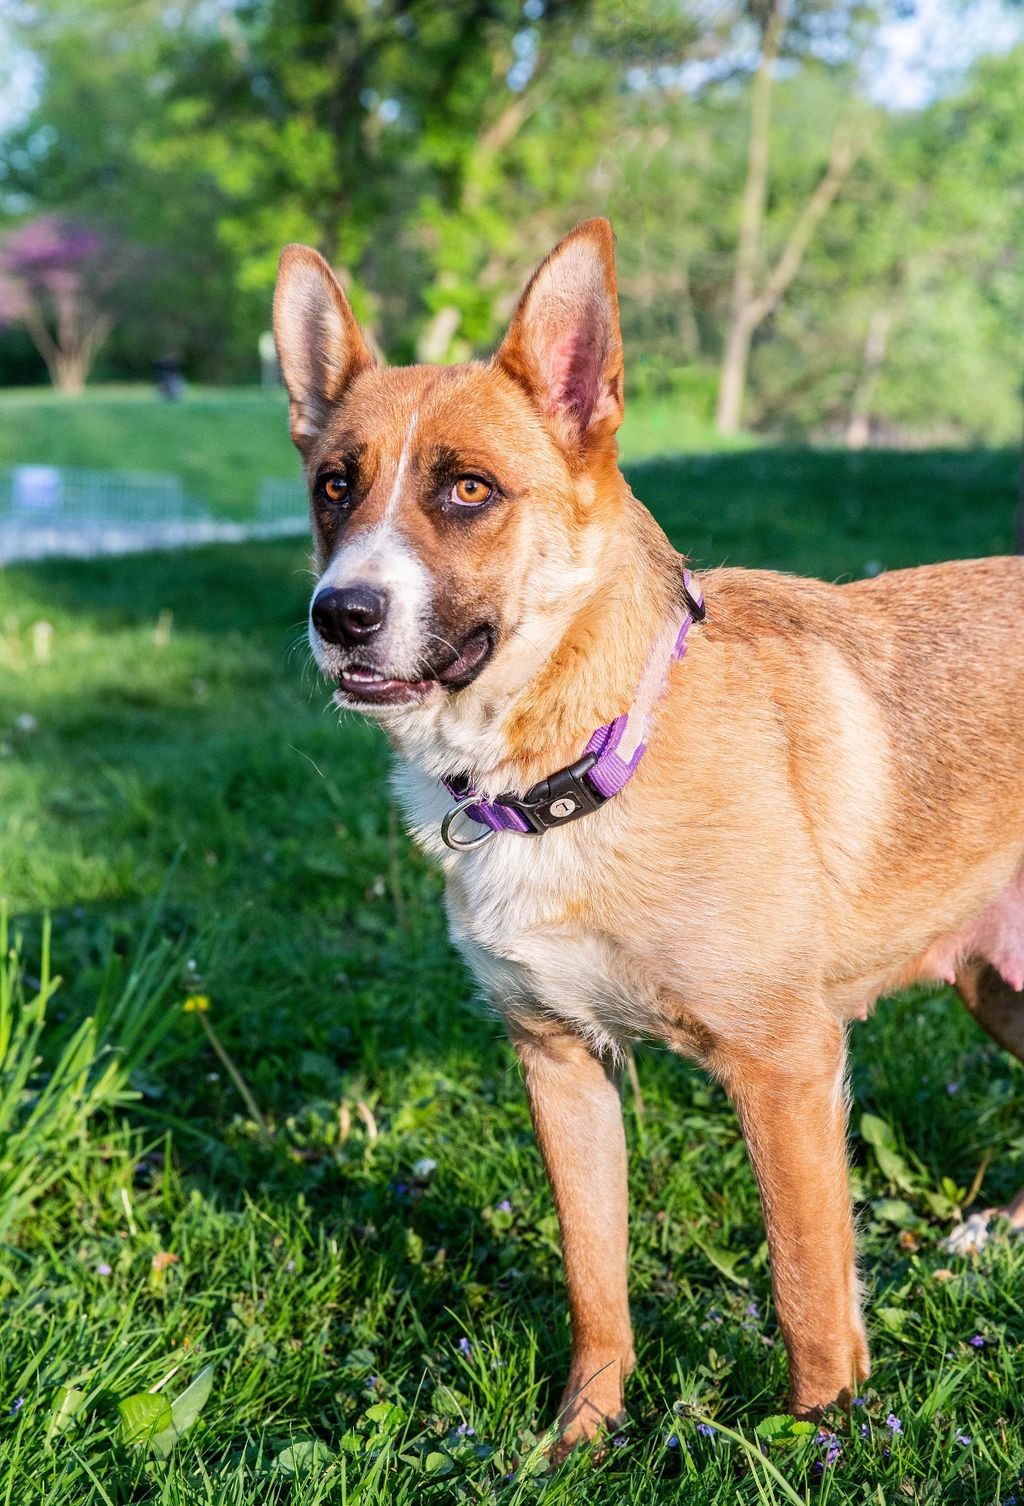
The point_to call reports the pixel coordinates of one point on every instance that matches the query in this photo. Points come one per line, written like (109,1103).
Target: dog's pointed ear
(319,342)
(563,345)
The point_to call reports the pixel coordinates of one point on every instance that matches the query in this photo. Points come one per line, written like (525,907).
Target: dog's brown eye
(470,491)
(336,488)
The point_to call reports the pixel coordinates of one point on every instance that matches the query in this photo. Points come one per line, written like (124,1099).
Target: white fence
(48,510)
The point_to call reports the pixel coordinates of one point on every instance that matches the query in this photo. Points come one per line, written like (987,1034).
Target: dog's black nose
(349,615)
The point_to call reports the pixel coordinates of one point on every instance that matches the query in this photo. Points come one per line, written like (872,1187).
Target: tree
(87,150)
(754,298)
(425,149)
(335,122)
(55,279)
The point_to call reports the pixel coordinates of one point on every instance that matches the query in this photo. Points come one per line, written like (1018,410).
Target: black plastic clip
(563,797)
(694,604)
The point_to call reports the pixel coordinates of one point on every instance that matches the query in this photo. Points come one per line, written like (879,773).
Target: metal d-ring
(456,843)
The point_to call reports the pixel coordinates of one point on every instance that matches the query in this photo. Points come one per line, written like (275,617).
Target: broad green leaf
(448,1402)
(774,1428)
(387,1416)
(303,1457)
(437,1464)
(184,1411)
(142,1416)
(882,1141)
(722,1260)
(892,1318)
(876,1132)
(895,1210)
(941,1205)
(187,1407)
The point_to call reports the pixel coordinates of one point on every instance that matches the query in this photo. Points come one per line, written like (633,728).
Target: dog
(724,815)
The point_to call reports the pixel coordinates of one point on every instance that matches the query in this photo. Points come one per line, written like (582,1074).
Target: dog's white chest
(513,909)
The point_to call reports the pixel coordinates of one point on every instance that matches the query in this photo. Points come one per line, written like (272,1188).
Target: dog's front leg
(577,1115)
(791,1102)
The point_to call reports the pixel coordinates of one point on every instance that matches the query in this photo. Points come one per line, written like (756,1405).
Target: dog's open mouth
(365,685)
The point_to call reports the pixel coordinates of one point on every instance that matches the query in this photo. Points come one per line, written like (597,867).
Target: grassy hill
(223,442)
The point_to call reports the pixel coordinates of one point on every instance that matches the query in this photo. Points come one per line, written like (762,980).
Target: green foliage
(88,148)
(49,1097)
(149,1419)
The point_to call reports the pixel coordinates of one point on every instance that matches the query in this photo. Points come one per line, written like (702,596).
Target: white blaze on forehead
(395,499)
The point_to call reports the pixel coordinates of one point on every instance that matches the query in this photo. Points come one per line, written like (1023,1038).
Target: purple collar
(608,763)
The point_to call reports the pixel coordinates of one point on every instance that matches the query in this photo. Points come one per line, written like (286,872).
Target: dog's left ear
(319,342)
(563,344)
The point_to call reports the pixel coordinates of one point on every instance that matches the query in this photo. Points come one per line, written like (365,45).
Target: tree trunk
(70,373)
(737,344)
(437,335)
(858,430)
(733,379)
(70,353)
(1018,542)
(750,304)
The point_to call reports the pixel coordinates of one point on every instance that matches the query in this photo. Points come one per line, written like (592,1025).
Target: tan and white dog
(830,805)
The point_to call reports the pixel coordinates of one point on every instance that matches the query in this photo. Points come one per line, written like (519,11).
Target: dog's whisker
(446,641)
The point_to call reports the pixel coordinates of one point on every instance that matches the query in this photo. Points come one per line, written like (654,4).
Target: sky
(18,77)
(925,54)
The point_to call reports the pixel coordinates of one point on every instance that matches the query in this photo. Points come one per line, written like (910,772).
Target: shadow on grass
(833,513)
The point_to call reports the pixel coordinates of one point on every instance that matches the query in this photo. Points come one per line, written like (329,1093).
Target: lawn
(327,1187)
(224,442)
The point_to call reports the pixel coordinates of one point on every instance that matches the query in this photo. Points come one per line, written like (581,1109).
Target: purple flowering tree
(55,280)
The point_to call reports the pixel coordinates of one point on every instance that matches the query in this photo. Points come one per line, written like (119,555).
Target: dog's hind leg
(577,1114)
(994,1003)
(998,1008)
(792,1108)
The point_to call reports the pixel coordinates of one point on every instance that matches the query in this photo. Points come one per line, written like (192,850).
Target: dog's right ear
(319,343)
(563,345)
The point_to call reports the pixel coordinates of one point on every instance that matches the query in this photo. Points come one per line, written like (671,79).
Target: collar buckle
(563,797)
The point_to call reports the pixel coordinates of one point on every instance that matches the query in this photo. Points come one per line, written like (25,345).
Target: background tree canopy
(433,152)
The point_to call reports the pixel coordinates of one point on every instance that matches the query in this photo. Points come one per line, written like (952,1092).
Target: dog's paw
(588,1417)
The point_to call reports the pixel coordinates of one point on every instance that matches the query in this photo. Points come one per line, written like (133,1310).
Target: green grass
(327,1271)
(222,443)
